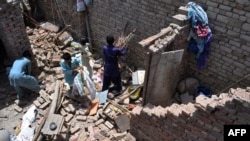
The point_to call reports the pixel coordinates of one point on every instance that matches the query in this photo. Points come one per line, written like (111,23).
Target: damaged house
(175,86)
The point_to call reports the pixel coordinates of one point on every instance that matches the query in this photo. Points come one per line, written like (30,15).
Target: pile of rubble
(241,94)
(62,116)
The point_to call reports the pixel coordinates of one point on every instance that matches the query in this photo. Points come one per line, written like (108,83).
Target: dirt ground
(10,113)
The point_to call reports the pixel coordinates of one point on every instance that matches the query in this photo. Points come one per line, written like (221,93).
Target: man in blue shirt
(20,76)
(70,66)
(111,68)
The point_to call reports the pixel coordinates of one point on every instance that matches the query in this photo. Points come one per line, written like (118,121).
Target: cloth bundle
(200,35)
(82,79)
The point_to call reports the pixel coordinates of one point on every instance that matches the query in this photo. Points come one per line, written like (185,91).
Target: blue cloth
(200,46)
(204,91)
(69,75)
(111,69)
(201,55)
(196,13)
(20,77)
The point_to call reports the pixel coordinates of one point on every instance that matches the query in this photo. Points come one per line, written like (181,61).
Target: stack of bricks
(77,123)
(64,13)
(12,29)
(202,120)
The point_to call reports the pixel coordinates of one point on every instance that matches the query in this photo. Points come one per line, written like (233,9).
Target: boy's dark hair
(83,41)
(66,56)
(110,39)
(27,54)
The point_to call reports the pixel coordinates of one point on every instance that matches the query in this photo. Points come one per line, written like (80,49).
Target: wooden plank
(58,119)
(55,97)
(160,88)
(148,62)
(151,39)
(37,132)
(60,98)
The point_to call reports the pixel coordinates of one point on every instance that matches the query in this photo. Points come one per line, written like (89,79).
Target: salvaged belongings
(5,135)
(27,131)
(82,79)
(200,35)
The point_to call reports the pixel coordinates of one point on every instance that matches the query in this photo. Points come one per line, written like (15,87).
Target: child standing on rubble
(70,66)
(111,68)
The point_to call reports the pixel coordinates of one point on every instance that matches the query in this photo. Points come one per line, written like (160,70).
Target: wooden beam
(60,98)
(50,110)
(147,72)
(150,40)
(55,97)
(37,135)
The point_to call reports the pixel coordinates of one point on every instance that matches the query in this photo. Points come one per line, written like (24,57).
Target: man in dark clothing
(111,68)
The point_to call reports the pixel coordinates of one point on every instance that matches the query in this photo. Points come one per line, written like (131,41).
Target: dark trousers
(116,80)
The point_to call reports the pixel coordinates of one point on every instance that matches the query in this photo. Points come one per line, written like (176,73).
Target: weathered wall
(110,16)
(203,120)
(148,16)
(62,13)
(229,59)
(12,30)
(167,55)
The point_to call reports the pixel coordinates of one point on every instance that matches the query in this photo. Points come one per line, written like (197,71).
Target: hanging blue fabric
(201,56)
(196,13)
(200,40)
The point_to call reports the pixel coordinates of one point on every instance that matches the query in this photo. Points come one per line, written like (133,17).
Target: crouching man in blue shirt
(20,76)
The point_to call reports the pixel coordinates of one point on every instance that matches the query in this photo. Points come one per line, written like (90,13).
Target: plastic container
(136,94)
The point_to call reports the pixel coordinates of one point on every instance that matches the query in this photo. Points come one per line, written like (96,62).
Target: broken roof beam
(55,98)
(162,44)
(148,41)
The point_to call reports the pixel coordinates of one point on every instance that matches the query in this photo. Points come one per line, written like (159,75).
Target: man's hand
(80,68)
(76,70)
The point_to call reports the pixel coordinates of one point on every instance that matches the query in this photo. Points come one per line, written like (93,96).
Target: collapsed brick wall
(229,56)
(12,30)
(62,13)
(203,120)
(110,17)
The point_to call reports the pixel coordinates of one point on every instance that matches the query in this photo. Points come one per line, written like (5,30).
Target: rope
(245,77)
(60,13)
(31,19)
(54,4)
(53,14)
